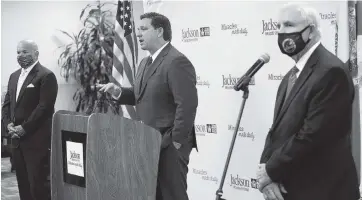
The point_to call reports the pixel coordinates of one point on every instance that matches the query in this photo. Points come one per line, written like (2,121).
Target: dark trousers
(32,169)
(172,173)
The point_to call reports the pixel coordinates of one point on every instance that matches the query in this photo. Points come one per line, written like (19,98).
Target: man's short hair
(157,21)
(309,14)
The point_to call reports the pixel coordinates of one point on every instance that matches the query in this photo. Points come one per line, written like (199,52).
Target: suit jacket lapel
(153,67)
(138,78)
(281,96)
(303,77)
(14,86)
(28,80)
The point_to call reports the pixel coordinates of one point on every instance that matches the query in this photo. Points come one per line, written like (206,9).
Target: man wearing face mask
(27,112)
(306,153)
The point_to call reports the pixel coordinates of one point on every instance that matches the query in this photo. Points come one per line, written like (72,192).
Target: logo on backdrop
(243,183)
(270,27)
(234,29)
(229,81)
(150,2)
(192,35)
(242,132)
(275,77)
(202,82)
(204,175)
(329,16)
(203,129)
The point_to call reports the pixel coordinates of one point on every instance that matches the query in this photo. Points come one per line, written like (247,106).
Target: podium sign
(74,157)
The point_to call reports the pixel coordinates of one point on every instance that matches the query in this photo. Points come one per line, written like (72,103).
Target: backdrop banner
(222,40)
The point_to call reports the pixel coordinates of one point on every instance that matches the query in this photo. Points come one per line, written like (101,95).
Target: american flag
(125,51)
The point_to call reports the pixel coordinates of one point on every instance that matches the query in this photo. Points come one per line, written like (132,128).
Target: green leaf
(108,3)
(89,21)
(66,34)
(83,10)
(94,11)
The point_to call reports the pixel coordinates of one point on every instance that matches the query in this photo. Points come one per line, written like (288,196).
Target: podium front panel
(72,124)
(122,159)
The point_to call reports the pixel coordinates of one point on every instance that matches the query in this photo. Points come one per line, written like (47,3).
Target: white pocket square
(30,85)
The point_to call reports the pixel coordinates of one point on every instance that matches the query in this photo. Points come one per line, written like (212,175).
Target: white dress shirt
(304,59)
(22,77)
(154,56)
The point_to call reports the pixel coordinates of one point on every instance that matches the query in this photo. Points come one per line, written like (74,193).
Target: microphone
(245,79)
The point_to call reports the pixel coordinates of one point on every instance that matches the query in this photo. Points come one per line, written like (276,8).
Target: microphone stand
(244,87)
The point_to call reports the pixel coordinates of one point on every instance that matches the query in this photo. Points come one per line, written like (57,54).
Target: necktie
(148,63)
(291,80)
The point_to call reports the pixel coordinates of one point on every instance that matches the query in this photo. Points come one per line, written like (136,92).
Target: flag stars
(128,8)
(126,15)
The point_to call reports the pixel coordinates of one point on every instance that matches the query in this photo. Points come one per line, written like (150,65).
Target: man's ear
(160,32)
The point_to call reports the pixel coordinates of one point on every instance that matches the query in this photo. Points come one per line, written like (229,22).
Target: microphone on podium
(245,79)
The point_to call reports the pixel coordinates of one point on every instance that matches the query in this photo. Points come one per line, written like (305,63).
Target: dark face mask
(25,61)
(292,43)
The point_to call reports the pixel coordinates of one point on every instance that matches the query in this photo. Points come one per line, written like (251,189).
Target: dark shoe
(12,169)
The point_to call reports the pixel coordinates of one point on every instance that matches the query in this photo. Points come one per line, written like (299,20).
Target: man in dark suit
(306,153)
(27,110)
(166,99)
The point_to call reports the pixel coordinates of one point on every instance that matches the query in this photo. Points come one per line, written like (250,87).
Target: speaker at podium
(103,157)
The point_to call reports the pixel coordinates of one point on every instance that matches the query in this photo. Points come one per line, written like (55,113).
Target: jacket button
(138,101)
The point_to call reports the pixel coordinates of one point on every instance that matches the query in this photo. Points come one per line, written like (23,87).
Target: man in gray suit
(307,151)
(165,97)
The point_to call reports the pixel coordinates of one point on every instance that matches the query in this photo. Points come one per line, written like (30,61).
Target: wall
(222,60)
(222,40)
(39,21)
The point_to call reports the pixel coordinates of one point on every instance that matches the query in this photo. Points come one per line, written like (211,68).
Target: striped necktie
(291,80)
(148,63)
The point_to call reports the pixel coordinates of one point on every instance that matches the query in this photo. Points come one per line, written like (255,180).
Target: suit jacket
(307,147)
(34,108)
(167,99)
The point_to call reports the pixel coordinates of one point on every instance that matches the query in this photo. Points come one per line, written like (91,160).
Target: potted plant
(88,59)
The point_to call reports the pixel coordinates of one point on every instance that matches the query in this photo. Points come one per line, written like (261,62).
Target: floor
(9,186)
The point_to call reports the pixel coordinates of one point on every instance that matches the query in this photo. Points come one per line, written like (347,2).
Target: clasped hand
(270,190)
(15,131)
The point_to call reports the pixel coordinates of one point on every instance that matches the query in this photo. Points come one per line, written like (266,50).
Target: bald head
(27,53)
(29,45)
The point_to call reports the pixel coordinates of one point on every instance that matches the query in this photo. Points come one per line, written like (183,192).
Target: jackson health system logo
(269,27)
(203,129)
(244,184)
(229,81)
(192,35)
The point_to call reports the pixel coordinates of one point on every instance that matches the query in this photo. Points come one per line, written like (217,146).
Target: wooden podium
(103,157)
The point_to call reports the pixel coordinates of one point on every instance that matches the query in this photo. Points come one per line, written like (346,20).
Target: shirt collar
(154,56)
(27,70)
(303,60)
